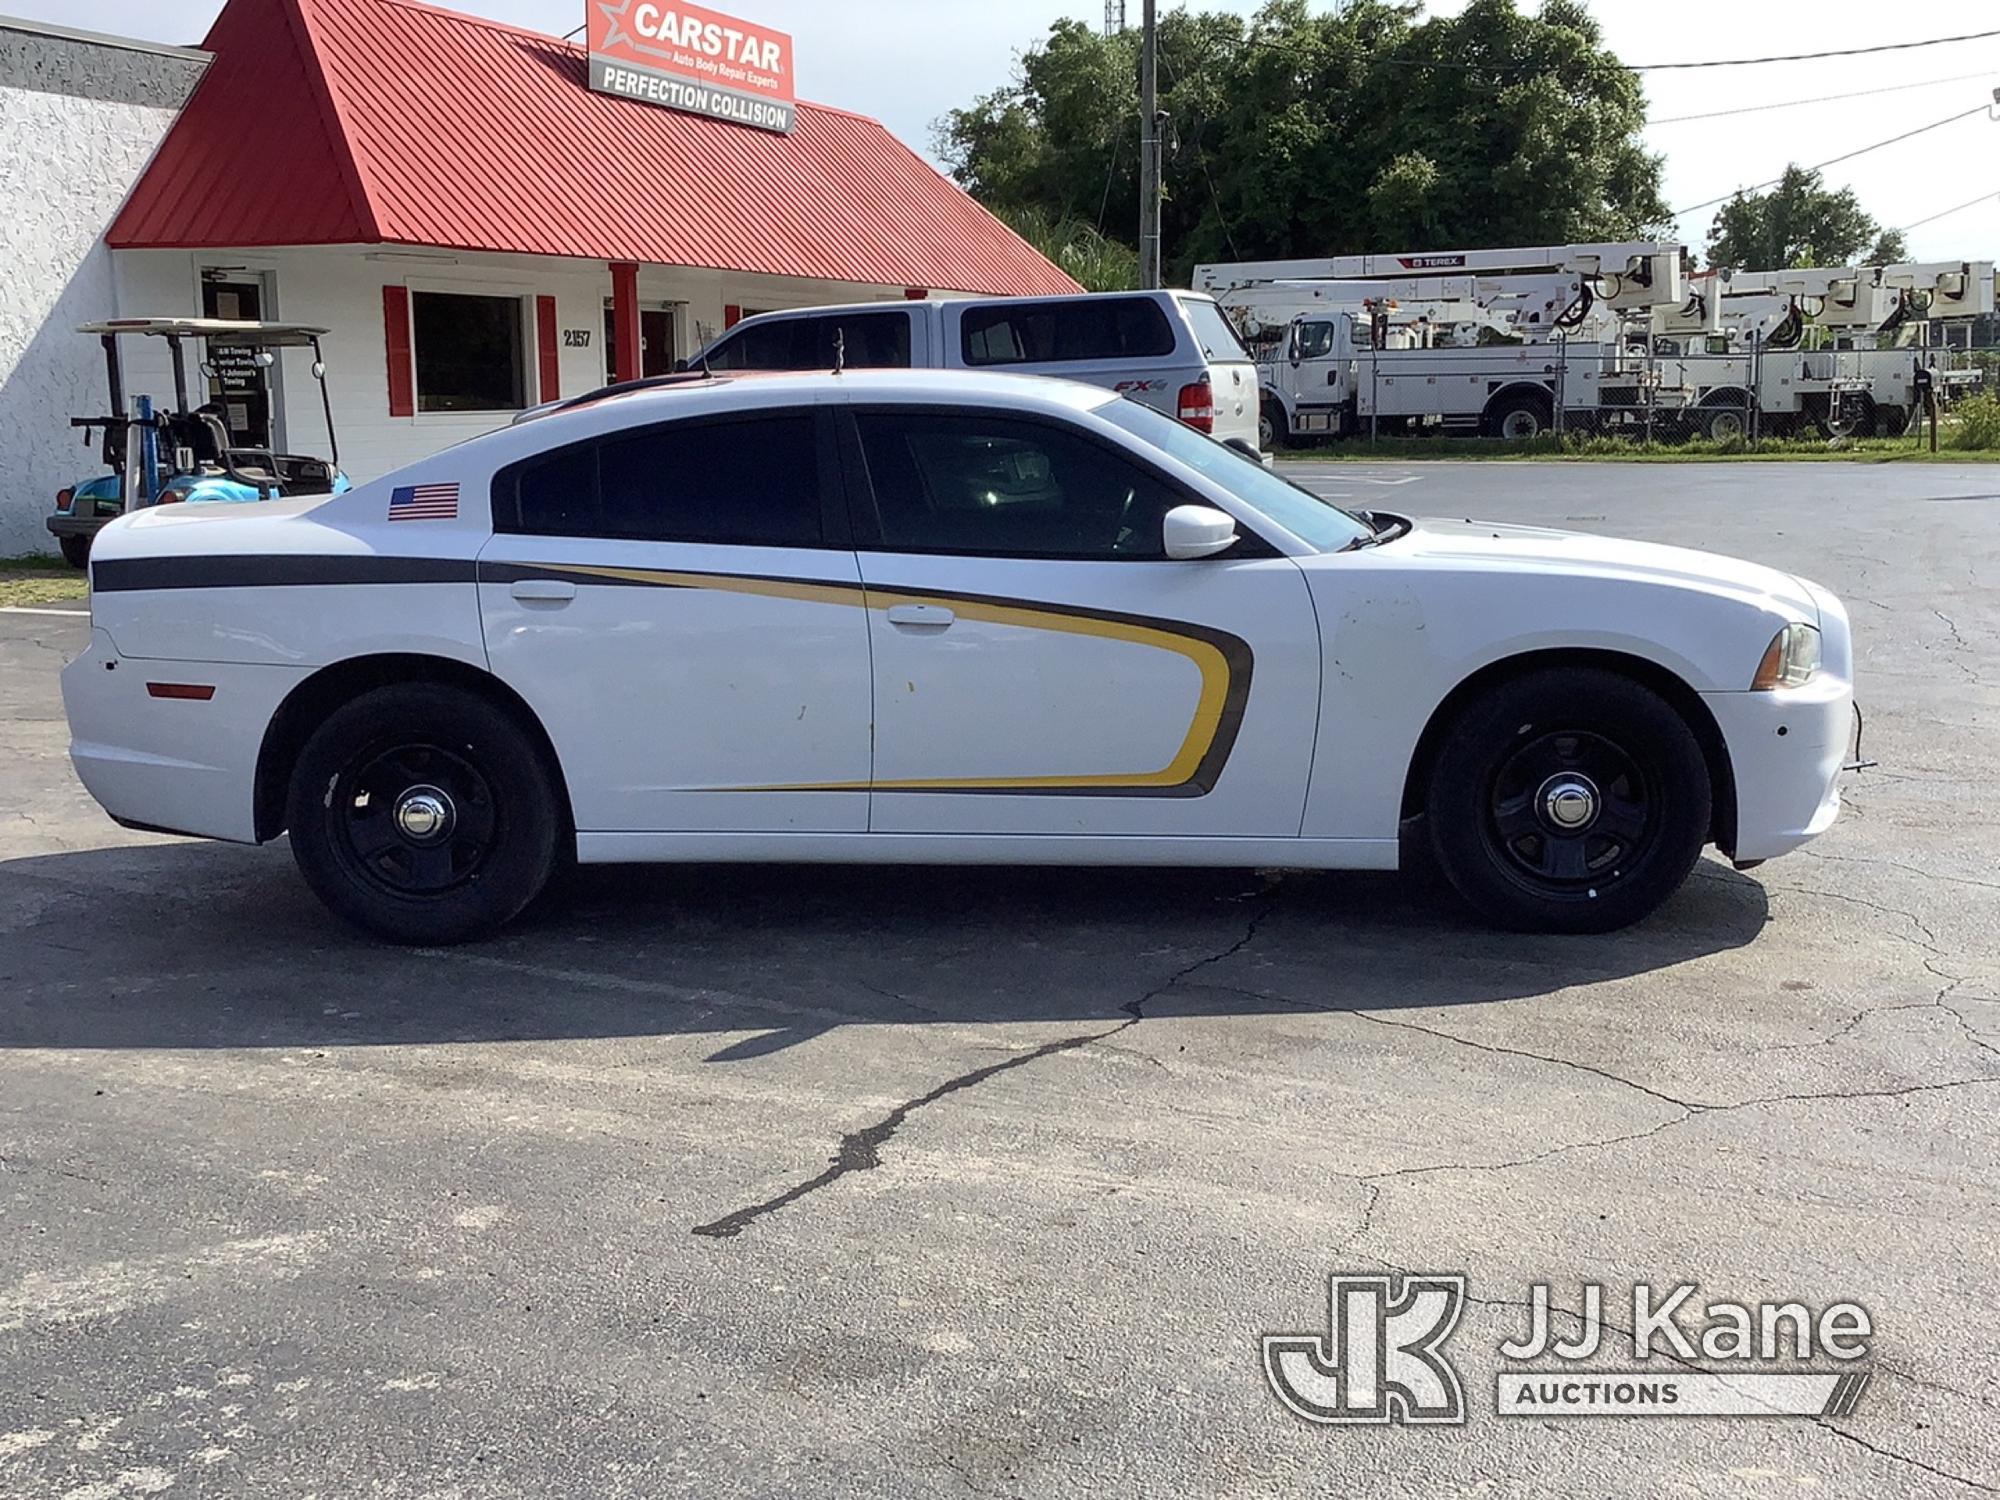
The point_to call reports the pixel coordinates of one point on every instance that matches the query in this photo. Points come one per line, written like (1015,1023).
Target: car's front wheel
(1569,800)
(423,813)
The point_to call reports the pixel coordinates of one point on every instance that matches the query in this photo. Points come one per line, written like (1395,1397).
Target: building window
(468,352)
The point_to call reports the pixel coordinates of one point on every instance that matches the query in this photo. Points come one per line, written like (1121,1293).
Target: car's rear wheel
(1570,800)
(423,813)
(75,550)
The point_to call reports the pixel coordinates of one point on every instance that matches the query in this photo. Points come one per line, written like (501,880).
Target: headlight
(1790,660)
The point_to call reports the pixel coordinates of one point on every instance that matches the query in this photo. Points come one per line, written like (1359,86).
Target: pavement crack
(1929,942)
(861,1150)
(1826,1425)
(1907,869)
(1499,1051)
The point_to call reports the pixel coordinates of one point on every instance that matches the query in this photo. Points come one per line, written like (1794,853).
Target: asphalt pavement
(819,1181)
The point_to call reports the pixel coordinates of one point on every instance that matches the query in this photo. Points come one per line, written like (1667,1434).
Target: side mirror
(680,367)
(1192,531)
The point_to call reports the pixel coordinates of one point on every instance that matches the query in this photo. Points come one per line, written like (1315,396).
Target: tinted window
(874,341)
(947,483)
(753,481)
(557,495)
(1212,331)
(1052,332)
(1305,515)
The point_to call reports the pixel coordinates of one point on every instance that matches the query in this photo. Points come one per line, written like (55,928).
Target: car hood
(1480,545)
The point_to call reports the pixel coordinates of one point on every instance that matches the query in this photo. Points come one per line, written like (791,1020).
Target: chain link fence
(1668,393)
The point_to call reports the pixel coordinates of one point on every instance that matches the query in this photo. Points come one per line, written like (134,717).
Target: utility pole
(1149,151)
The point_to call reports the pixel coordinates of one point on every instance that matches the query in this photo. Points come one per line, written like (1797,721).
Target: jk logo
(1380,1361)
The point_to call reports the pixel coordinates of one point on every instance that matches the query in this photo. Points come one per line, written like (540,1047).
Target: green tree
(1297,133)
(1094,261)
(1800,222)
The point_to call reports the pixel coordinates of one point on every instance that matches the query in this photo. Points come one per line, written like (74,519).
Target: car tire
(1569,800)
(75,550)
(1273,432)
(1520,416)
(423,813)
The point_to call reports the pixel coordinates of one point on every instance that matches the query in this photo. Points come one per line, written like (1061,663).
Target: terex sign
(689,58)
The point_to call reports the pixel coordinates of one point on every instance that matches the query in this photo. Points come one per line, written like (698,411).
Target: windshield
(1307,517)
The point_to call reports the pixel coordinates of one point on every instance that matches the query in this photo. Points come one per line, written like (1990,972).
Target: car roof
(868,307)
(692,394)
(774,387)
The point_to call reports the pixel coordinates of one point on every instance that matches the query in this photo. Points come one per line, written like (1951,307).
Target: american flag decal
(424,502)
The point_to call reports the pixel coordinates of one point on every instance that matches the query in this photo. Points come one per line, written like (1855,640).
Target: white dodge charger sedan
(935,618)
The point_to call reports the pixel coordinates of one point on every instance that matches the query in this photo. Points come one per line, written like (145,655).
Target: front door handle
(936,616)
(543,591)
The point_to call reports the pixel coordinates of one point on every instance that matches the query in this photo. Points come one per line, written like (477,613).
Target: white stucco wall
(79,118)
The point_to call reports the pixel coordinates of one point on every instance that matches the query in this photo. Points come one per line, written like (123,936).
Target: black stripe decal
(272,570)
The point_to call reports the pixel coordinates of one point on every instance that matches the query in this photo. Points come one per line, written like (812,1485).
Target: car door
(1041,667)
(680,606)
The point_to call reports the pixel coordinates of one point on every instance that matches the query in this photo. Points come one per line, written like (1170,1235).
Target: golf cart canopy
(219,332)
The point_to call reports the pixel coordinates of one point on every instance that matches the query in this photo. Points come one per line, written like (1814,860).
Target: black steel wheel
(423,813)
(1570,800)
(1569,808)
(412,816)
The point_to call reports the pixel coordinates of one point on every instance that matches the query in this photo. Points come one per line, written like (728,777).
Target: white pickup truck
(1172,350)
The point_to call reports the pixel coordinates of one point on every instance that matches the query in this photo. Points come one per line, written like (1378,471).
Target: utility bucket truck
(1495,341)
(1837,350)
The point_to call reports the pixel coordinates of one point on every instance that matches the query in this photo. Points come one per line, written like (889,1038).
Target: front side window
(989,486)
(750,481)
(1315,340)
(468,352)
(1078,328)
(1320,523)
(872,341)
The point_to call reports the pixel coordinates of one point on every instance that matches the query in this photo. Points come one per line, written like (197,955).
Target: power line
(1748,62)
(1665,67)
(1752,109)
(1977,109)
(1956,208)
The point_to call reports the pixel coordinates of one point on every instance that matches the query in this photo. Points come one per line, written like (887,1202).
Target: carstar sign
(689,58)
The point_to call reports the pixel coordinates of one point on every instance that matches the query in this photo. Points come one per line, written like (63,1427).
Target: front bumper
(1786,752)
(65,523)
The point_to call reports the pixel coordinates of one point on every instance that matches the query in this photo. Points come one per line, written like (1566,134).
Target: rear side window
(752,482)
(1212,331)
(1056,332)
(873,341)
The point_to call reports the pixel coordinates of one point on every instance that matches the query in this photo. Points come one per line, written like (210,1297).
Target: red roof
(334,122)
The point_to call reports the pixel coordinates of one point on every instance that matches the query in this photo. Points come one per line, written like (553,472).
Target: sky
(907,62)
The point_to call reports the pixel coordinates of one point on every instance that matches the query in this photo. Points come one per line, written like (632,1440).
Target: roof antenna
(839,350)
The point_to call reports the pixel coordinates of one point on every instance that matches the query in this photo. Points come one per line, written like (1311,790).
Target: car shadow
(197,945)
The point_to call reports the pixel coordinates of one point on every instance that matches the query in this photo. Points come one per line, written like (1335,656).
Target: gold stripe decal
(1223,660)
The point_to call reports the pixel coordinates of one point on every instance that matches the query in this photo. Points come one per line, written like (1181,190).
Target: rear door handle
(934,615)
(543,591)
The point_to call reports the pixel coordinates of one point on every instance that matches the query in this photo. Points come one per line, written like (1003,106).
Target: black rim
(414,819)
(1569,812)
